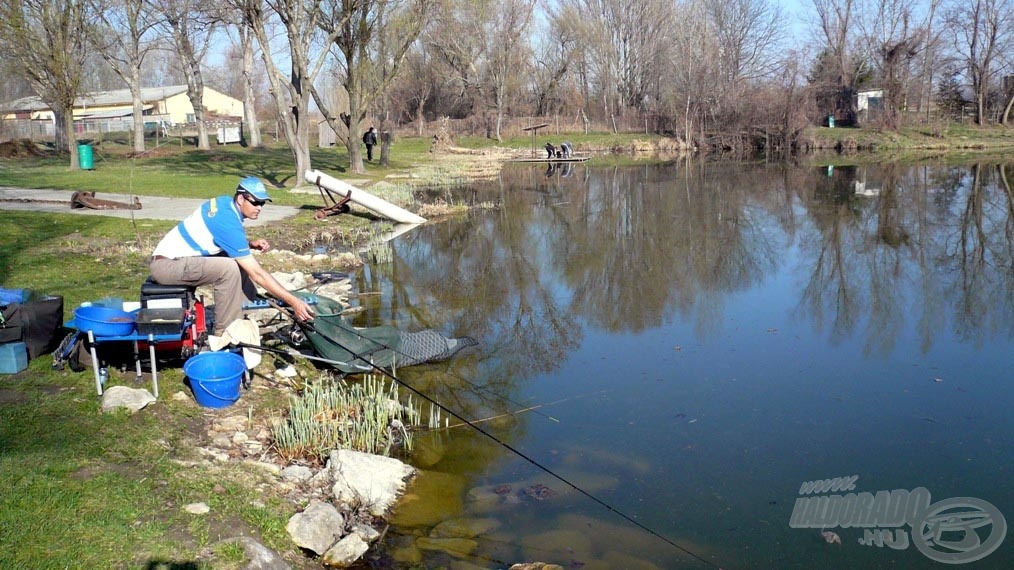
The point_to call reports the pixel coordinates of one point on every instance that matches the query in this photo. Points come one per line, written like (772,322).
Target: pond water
(689,343)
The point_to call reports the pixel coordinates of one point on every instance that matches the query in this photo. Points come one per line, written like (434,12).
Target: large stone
(133,399)
(317,528)
(464,528)
(427,449)
(296,473)
(457,547)
(433,497)
(484,499)
(258,556)
(407,554)
(558,545)
(535,566)
(346,552)
(369,480)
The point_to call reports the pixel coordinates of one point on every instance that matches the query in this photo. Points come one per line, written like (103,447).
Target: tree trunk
(202,129)
(386,138)
(420,118)
(252,132)
(354,145)
(65,139)
(138,112)
(1005,117)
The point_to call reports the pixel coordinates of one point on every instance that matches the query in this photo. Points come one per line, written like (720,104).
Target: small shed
(869,103)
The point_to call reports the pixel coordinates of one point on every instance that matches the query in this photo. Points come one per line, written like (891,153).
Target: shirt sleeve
(226,228)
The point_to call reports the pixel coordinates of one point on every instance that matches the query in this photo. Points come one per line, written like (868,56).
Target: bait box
(160,321)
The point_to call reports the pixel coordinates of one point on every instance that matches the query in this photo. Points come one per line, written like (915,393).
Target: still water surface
(701,339)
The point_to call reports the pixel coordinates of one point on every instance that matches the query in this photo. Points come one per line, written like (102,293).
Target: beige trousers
(232,285)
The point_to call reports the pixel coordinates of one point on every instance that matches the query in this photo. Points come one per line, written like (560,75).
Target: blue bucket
(215,378)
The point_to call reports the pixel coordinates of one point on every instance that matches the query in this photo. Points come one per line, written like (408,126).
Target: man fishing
(210,247)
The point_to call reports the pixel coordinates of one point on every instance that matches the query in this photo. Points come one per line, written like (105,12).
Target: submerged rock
(558,545)
(458,547)
(464,528)
(433,497)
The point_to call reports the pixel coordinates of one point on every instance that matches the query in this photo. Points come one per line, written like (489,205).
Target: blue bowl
(103,321)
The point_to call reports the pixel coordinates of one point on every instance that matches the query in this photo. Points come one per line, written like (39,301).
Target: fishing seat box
(158,296)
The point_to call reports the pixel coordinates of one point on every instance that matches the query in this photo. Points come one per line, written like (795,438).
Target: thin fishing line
(514,450)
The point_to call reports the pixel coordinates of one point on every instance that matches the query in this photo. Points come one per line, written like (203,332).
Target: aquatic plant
(363,416)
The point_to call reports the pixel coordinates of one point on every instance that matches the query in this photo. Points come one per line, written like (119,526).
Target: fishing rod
(309,327)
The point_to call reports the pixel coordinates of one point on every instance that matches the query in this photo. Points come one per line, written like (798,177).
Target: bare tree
(623,46)
(291,74)
(893,38)
(239,16)
(981,32)
(507,56)
(191,26)
(371,38)
(554,59)
(691,84)
(123,38)
(835,30)
(47,39)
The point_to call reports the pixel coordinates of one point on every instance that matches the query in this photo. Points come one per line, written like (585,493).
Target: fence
(154,126)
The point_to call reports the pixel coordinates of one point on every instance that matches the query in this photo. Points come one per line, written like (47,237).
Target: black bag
(37,323)
(10,329)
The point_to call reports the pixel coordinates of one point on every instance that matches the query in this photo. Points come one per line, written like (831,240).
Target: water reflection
(668,287)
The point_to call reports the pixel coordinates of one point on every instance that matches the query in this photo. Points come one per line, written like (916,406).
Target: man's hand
(260,245)
(302,311)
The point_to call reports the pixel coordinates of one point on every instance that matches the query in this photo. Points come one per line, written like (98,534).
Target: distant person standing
(370,140)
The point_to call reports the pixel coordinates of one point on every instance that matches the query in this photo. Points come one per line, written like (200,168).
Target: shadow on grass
(173,565)
(272,164)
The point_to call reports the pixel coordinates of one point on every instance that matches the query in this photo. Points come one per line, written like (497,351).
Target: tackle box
(160,321)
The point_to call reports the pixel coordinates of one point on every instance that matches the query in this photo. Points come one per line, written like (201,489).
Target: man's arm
(260,276)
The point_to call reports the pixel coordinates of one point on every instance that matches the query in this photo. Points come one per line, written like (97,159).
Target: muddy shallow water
(687,345)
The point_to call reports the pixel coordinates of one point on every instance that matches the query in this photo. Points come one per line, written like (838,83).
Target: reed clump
(363,416)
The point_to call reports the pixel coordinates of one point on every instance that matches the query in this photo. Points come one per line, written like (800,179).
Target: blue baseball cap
(254,187)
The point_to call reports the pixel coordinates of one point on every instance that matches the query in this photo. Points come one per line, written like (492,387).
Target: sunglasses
(254,202)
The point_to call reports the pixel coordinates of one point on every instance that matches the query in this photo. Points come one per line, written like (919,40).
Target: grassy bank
(938,137)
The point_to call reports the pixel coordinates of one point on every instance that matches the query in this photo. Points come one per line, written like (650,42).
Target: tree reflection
(632,248)
(980,251)
(907,241)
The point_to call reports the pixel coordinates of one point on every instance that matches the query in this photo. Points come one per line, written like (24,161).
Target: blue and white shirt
(215,227)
